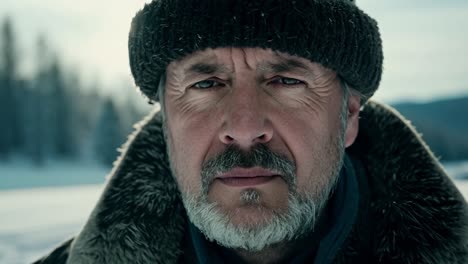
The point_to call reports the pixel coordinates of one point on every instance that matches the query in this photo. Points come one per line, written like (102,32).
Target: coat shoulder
(419,215)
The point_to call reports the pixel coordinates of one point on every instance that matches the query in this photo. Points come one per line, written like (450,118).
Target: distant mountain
(443,125)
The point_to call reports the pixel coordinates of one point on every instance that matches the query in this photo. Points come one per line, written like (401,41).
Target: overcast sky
(425,41)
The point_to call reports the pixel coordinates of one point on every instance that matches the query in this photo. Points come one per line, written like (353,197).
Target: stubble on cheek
(329,162)
(188,183)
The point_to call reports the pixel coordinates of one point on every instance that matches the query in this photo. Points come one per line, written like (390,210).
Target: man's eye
(287,81)
(207,84)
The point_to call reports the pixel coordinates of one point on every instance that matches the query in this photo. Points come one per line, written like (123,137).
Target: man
(269,158)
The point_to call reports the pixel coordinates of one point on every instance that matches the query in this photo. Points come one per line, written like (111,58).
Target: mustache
(258,156)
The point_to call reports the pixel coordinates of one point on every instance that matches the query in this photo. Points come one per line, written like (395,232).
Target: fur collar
(420,215)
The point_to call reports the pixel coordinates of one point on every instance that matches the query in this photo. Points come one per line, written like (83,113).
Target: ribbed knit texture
(335,33)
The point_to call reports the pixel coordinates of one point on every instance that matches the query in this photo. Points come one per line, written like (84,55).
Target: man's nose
(246,121)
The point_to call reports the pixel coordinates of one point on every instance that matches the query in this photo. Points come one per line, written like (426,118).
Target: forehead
(227,59)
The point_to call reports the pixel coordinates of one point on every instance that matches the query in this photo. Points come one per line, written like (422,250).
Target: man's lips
(242,177)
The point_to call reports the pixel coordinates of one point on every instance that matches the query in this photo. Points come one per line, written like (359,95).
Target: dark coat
(411,212)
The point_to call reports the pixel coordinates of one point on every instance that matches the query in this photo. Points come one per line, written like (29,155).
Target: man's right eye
(207,84)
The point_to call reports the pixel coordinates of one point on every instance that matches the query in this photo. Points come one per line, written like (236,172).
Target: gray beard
(297,221)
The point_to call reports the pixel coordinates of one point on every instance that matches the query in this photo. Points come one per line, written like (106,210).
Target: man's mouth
(245,177)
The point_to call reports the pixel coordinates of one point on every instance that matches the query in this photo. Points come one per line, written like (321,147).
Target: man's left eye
(287,81)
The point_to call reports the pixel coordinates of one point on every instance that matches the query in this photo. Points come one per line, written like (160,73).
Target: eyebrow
(285,65)
(282,65)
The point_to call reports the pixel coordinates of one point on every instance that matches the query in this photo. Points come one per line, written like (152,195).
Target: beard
(303,208)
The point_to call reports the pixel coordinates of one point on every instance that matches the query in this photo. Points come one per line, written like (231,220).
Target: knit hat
(334,33)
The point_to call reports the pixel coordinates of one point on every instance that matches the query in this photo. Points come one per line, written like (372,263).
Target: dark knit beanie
(334,33)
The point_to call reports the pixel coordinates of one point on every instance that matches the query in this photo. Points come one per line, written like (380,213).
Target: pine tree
(108,133)
(89,106)
(38,140)
(77,126)
(9,119)
(60,111)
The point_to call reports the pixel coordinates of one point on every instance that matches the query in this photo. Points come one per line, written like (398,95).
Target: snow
(42,206)
(458,170)
(33,220)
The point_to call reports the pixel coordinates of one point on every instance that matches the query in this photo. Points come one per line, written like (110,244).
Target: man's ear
(352,128)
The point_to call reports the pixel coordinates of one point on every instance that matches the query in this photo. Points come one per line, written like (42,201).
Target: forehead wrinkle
(246,60)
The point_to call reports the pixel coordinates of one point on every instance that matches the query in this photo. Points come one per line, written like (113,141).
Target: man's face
(255,139)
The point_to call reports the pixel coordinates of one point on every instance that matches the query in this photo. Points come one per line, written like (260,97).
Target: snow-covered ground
(42,206)
(35,219)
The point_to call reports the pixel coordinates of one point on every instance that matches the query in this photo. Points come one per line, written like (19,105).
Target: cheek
(311,137)
(315,164)
(189,140)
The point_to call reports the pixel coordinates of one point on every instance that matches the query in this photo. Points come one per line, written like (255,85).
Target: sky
(425,42)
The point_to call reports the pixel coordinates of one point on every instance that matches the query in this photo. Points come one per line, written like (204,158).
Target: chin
(250,216)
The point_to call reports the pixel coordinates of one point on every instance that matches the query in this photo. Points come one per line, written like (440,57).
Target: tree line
(49,115)
(442,124)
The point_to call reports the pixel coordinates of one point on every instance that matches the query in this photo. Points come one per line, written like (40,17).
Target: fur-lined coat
(411,211)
